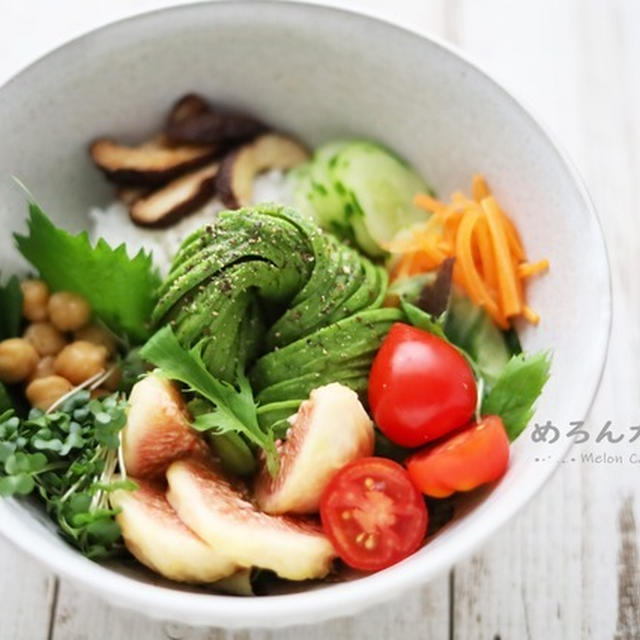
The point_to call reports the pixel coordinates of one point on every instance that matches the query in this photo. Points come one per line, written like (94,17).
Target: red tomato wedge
(373,514)
(467,459)
(420,387)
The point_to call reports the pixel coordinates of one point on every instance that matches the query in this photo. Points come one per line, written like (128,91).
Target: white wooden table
(568,566)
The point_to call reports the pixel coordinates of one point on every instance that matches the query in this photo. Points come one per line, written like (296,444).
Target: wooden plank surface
(568,565)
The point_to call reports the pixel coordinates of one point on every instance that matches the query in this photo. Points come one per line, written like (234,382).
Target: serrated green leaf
(516,390)
(119,289)
(235,408)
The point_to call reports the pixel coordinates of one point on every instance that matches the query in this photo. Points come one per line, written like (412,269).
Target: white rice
(115,226)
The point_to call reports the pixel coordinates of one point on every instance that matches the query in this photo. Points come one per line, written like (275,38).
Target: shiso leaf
(516,390)
(120,290)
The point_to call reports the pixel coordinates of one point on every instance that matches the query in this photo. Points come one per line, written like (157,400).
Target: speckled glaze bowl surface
(319,73)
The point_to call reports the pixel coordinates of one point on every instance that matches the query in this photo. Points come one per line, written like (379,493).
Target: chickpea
(43,369)
(80,360)
(45,338)
(98,335)
(113,381)
(18,359)
(35,298)
(43,392)
(68,311)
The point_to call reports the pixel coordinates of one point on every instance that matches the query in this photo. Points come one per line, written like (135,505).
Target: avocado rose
(267,290)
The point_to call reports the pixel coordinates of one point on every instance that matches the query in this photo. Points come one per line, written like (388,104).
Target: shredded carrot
(528,269)
(507,278)
(530,315)
(513,237)
(491,264)
(425,201)
(487,259)
(479,188)
(474,283)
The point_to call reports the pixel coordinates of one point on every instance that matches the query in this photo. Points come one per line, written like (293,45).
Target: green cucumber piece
(380,187)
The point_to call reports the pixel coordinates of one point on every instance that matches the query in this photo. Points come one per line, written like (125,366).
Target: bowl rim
(311,606)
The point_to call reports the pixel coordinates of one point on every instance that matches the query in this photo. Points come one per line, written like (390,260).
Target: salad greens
(11,306)
(517,388)
(68,457)
(119,289)
(234,409)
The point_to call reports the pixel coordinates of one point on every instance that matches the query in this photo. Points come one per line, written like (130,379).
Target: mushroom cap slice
(196,125)
(180,197)
(151,163)
(240,167)
(189,106)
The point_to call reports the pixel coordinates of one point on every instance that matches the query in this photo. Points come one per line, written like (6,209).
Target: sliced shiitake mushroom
(151,163)
(176,199)
(212,126)
(239,168)
(129,195)
(189,106)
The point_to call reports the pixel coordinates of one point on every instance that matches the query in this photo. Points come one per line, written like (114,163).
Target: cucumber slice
(380,187)
(327,202)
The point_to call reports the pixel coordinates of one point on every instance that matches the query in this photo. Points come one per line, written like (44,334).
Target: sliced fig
(156,536)
(196,125)
(149,164)
(180,197)
(158,429)
(241,166)
(330,429)
(223,516)
(189,106)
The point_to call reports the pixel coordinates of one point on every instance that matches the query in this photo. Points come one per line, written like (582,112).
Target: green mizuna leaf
(120,290)
(517,388)
(234,408)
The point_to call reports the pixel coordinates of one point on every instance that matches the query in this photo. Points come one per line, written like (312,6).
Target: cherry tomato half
(373,514)
(467,459)
(420,387)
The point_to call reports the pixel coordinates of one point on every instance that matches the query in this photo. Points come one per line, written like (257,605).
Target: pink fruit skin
(158,430)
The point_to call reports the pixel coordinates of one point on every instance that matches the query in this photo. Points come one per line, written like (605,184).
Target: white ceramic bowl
(320,73)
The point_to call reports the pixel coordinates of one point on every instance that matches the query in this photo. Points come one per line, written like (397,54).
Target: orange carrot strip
(401,268)
(425,201)
(513,237)
(507,281)
(530,315)
(473,282)
(479,188)
(527,269)
(413,239)
(487,259)
(423,262)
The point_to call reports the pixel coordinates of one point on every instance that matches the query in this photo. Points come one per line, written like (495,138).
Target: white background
(568,566)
